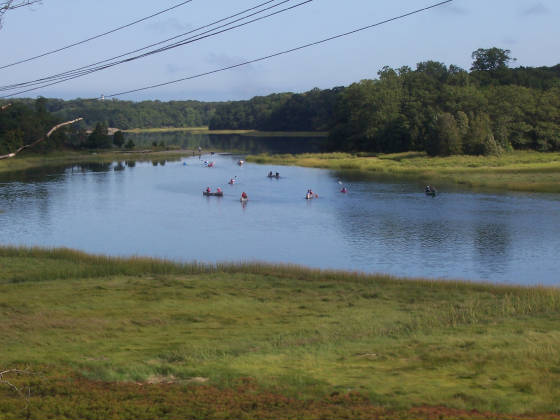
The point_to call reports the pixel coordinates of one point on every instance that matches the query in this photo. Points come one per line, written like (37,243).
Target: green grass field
(516,171)
(141,338)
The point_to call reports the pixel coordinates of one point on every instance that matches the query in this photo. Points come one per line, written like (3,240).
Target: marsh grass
(26,161)
(517,171)
(301,333)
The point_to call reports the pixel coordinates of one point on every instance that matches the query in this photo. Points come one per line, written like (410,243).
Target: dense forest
(435,108)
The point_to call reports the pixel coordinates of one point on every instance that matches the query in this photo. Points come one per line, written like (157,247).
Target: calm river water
(157,209)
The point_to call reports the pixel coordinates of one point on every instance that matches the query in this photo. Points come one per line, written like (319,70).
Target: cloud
(453,9)
(537,9)
(510,41)
(168,25)
(224,60)
(174,68)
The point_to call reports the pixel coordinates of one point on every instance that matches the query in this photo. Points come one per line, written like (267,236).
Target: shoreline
(23,162)
(521,171)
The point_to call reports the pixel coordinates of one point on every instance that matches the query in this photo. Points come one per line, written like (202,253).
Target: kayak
(217,194)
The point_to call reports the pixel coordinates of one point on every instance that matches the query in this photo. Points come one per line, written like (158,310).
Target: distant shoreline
(248,133)
(525,171)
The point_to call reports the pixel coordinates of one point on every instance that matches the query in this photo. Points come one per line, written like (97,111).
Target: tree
(129,144)
(491,59)
(446,137)
(14,4)
(99,138)
(118,139)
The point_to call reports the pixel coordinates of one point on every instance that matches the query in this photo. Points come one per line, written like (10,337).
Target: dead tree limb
(52,130)
(14,4)
(3,107)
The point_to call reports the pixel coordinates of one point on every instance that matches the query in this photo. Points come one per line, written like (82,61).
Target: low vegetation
(30,161)
(143,338)
(515,171)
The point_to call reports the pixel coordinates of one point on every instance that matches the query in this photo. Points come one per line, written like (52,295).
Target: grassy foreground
(516,171)
(142,338)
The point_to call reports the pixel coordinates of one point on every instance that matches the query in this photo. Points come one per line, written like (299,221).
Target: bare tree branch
(52,130)
(14,4)
(3,107)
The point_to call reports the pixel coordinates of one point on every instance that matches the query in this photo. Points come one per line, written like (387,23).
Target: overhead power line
(95,37)
(301,47)
(73,75)
(91,67)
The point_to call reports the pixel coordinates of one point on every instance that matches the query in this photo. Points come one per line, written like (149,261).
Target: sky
(450,33)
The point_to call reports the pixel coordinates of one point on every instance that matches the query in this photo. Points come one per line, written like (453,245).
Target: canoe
(243,200)
(217,194)
(431,193)
(273,176)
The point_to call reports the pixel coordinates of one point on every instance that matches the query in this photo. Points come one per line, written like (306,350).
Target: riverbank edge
(522,171)
(31,161)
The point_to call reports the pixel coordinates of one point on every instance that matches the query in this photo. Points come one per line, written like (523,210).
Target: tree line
(435,108)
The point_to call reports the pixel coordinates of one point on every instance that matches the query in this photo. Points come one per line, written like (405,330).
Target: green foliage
(491,59)
(118,139)
(129,144)
(99,138)
(445,110)
(22,124)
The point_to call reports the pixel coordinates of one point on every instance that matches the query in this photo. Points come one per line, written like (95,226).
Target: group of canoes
(429,190)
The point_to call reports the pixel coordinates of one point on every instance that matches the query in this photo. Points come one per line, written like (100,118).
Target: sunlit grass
(300,332)
(519,170)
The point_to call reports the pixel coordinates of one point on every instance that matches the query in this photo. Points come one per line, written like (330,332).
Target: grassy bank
(250,133)
(515,171)
(144,338)
(30,161)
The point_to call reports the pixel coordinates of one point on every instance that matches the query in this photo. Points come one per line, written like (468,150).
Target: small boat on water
(273,175)
(213,194)
(240,162)
(431,191)
(243,199)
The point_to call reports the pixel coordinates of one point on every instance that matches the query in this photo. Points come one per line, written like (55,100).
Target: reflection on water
(157,209)
(231,142)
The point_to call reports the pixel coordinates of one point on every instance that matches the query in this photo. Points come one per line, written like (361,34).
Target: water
(157,209)
(243,143)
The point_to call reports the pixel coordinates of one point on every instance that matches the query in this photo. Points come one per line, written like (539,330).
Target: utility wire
(86,69)
(94,37)
(281,52)
(165,48)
